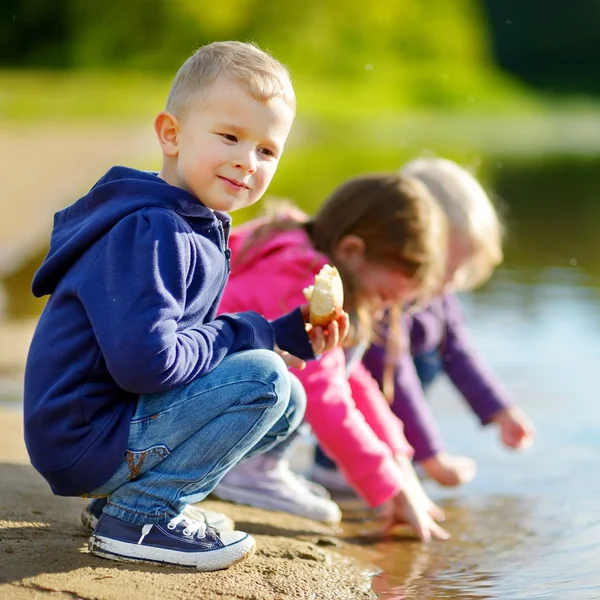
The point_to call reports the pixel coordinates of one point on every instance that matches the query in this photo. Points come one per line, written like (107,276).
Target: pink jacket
(349,416)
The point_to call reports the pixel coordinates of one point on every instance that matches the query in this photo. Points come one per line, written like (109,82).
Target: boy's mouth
(233,183)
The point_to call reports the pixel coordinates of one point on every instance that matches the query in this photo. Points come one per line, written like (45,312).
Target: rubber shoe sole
(238,546)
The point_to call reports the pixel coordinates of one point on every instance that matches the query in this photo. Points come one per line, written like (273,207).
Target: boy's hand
(411,506)
(450,470)
(323,339)
(290,360)
(516,429)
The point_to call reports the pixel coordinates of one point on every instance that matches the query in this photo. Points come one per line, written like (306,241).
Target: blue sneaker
(180,541)
(93,511)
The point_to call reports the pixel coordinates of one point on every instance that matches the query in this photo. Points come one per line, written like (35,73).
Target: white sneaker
(269,483)
(331,479)
(314,487)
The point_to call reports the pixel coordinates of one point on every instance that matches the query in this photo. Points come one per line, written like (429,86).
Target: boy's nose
(246,161)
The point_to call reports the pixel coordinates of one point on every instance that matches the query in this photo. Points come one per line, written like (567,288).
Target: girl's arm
(484,393)
(480,388)
(376,411)
(344,433)
(409,403)
(273,286)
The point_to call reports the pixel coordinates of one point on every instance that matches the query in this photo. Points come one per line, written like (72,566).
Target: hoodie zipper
(226,251)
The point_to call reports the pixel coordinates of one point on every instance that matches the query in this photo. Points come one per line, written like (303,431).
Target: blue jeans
(182,442)
(428,366)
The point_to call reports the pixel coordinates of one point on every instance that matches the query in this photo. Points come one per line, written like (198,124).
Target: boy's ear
(166,126)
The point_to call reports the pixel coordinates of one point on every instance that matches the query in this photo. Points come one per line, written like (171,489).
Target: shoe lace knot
(192,527)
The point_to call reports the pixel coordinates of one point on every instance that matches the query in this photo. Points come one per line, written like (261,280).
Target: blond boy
(135,392)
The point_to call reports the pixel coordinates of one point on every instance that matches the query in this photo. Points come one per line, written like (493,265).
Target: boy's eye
(229,136)
(266,151)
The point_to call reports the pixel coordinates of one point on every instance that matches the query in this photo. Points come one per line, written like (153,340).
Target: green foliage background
(346,57)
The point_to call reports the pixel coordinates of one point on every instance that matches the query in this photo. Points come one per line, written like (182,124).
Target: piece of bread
(325,297)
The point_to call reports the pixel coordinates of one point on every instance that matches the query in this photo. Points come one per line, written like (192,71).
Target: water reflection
(485,531)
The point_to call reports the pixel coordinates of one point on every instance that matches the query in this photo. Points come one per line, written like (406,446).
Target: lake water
(529,525)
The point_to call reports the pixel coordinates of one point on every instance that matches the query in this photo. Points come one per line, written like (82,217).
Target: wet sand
(43,549)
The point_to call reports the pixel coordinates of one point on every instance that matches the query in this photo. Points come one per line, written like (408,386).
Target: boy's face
(228,147)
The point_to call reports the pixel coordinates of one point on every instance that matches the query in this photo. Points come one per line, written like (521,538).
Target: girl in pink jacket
(386,236)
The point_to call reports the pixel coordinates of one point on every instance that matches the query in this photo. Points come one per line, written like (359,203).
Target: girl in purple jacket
(436,338)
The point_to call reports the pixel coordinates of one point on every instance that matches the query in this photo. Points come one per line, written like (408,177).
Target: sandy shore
(43,550)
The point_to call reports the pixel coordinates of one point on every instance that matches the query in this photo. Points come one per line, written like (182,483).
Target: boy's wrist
(291,336)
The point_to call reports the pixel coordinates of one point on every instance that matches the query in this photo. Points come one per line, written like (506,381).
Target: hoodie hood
(119,193)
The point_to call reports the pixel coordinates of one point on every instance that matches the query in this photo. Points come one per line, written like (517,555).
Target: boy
(133,389)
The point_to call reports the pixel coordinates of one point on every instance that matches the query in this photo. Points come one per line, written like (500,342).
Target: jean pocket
(140,461)
(134,464)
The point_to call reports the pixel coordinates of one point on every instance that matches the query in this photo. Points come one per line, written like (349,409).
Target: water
(529,525)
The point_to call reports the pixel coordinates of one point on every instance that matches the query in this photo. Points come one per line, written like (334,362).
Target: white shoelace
(191,526)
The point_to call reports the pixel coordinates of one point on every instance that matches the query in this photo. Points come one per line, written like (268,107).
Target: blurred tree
(327,36)
(551,43)
(33,33)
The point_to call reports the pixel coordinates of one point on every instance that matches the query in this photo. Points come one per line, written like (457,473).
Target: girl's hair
(398,222)
(470,212)
(397,219)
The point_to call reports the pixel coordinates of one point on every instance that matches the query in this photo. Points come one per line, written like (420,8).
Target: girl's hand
(449,470)
(325,339)
(411,506)
(516,429)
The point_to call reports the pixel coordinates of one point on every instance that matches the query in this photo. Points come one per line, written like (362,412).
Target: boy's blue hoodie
(135,272)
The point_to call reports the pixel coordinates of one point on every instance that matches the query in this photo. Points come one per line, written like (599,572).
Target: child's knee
(268,367)
(297,402)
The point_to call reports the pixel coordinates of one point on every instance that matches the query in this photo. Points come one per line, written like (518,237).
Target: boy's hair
(263,76)
(470,212)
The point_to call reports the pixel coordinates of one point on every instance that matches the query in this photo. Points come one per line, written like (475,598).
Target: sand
(43,550)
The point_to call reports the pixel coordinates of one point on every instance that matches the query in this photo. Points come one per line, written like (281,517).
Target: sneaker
(93,511)
(314,487)
(331,479)
(180,541)
(269,483)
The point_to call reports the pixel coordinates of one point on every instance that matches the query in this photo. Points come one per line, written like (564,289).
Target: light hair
(258,72)
(470,212)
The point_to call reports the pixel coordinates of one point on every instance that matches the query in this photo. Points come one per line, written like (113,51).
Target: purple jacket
(439,326)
